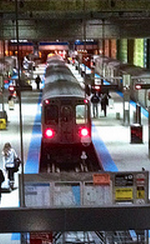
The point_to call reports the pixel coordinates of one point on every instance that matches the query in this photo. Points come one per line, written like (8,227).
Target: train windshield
(51,114)
(81,114)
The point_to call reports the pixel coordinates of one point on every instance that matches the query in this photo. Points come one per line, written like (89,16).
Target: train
(126,76)
(65,114)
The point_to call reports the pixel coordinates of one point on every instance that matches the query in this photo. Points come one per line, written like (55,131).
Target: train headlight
(49,133)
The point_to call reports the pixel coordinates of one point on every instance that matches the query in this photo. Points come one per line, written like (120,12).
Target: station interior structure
(114,28)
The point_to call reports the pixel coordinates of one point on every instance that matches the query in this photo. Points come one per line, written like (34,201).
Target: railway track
(80,159)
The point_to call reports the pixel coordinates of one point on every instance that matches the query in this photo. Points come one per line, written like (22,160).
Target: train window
(81,114)
(51,114)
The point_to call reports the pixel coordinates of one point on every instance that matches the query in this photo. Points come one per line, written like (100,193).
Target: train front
(66,120)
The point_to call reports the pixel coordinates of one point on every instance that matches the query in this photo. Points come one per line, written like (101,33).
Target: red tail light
(86,101)
(84,132)
(49,133)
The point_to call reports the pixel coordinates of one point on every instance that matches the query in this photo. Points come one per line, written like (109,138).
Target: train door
(66,124)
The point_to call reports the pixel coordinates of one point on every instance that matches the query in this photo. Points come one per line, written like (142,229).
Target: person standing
(38,81)
(95,100)
(104,103)
(9,156)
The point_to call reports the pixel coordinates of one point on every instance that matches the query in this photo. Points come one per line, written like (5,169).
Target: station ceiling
(74,19)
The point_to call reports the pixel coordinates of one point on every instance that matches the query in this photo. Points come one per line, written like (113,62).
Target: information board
(66,194)
(86,189)
(96,195)
(37,194)
(130,187)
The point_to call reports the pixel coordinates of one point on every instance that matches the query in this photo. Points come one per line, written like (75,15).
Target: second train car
(125,74)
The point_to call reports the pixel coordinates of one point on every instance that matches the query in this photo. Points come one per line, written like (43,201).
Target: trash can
(3,115)
(2,124)
(136,133)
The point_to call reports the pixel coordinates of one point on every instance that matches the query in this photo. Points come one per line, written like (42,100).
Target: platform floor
(114,142)
(116,135)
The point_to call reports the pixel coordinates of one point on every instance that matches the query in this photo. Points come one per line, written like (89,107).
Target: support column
(130,51)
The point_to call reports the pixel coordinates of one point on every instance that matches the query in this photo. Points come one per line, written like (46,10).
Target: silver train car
(65,119)
(125,76)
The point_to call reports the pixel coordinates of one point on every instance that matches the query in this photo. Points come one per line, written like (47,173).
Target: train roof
(52,60)
(55,62)
(60,81)
(103,59)
(60,76)
(126,68)
(59,73)
(135,71)
(62,88)
(57,69)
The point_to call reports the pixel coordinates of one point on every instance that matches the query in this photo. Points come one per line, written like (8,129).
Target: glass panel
(81,114)
(51,114)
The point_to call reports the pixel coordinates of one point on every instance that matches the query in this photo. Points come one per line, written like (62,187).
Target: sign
(94,189)
(140,179)
(139,86)
(37,194)
(96,195)
(101,179)
(41,238)
(124,179)
(124,194)
(140,192)
(66,194)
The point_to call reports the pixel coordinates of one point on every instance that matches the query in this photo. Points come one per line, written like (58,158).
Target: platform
(112,139)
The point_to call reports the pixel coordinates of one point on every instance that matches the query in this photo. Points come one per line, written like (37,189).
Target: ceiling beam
(108,218)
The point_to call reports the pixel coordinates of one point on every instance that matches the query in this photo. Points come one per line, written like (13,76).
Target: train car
(7,65)
(114,72)
(66,119)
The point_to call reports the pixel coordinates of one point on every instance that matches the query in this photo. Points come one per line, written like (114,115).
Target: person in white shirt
(9,156)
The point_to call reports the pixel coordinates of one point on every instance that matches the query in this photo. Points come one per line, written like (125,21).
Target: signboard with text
(92,189)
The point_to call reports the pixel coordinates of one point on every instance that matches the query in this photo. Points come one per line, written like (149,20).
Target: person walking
(38,81)
(9,156)
(95,100)
(104,103)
